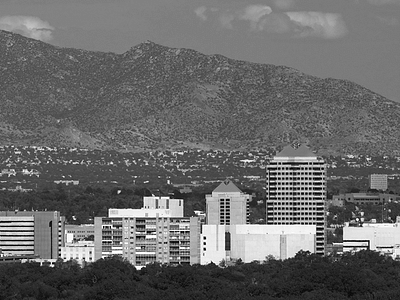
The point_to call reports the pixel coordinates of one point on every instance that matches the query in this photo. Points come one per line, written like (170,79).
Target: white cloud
(276,23)
(262,18)
(254,13)
(325,25)
(201,12)
(28,26)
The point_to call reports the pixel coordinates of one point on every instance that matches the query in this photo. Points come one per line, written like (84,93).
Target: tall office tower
(39,233)
(378,182)
(227,205)
(296,191)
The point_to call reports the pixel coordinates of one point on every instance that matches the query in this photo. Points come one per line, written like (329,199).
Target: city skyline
(355,40)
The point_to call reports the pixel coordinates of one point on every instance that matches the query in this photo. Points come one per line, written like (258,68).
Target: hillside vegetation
(155,97)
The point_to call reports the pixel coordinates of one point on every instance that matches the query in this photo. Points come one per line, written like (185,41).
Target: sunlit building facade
(156,233)
(252,242)
(378,182)
(296,191)
(380,237)
(227,205)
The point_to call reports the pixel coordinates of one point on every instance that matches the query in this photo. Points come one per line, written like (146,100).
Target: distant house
(185,190)
(67,182)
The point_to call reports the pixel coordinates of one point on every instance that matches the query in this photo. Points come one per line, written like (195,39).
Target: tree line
(80,205)
(363,275)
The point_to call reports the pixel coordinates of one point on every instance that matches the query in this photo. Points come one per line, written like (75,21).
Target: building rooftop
(302,151)
(227,187)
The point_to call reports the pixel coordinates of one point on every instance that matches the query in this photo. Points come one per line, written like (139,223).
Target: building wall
(17,235)
(146,240)
(175,206)
(296,191)
(81,252)
(255,242)
(79,232)
(212,244)
(195,228)
(48,227)
(227,208)
(382,237)
(49,234)
(378,181)
(98,237)
(367,198)
(140,213)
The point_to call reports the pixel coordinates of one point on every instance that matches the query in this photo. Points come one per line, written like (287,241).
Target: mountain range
(156,97)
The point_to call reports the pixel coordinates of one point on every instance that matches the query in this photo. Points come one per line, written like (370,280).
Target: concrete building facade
(143,240)
(366,198)
(152,207)
(78,232)
(251,242)
(82,252)
(227,205)
(381,237)
(296,191)
(378,182)
(38,233)
(174,206)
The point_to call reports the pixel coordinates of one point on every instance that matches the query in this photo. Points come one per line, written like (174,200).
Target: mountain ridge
(156,97)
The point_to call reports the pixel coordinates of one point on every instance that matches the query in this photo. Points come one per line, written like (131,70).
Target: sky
(357,40)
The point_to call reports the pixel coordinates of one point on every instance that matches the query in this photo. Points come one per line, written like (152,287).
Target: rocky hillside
(158,97)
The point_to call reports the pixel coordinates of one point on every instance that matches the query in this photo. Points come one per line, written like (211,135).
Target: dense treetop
(364,275)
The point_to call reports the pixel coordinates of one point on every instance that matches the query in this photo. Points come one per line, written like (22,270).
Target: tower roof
(302,151)
(227,187)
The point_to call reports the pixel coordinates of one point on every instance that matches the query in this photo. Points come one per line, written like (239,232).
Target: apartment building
(145,240)
(147,235)
(296,191)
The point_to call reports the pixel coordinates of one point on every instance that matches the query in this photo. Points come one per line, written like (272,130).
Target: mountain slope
(158,97)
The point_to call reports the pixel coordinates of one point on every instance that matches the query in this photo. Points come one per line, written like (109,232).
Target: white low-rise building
(82,252)
(251,242)
(381,237)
